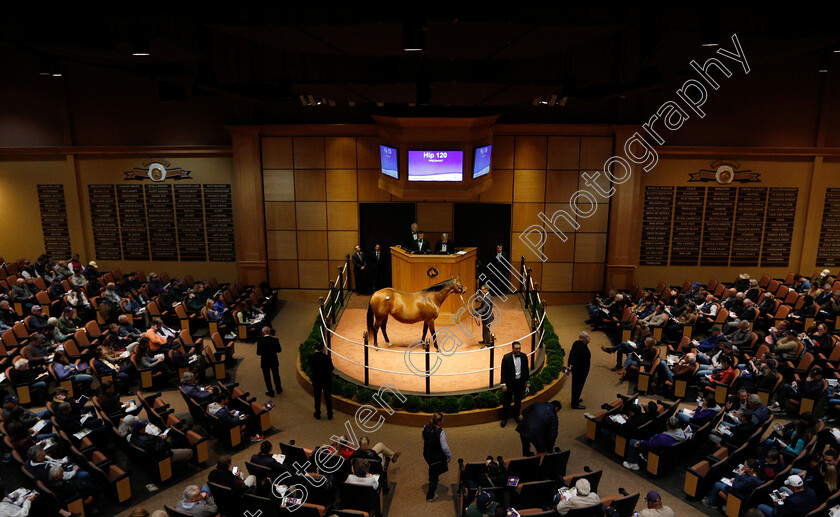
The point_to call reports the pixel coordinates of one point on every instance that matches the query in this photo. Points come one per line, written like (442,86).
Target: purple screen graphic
(390,164)
(435,165)
(481,163)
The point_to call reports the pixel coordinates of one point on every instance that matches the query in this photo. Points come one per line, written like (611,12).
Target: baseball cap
(653,496)
(36,307)
(715,328)
(794,481)
(68,309)
(140,424)
(11,398)
(483,499)
(695,284)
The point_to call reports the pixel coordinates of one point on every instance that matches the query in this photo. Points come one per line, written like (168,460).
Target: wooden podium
(410,272)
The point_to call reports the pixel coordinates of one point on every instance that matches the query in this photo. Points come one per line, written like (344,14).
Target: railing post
(340,285)
(347,268)
(367,360)
(492,357)
(428,368)
(331,298)
(528,288)
(534,323)
(521,276)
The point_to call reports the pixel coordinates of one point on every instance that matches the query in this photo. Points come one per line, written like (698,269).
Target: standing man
(322,368)
(435,452)
(500,270)
(515,379)
(579,359)
(376,265)
(485,312)
(444,246)
(268,347)
(539,426)
(359,265)
(421,246)
(411,240)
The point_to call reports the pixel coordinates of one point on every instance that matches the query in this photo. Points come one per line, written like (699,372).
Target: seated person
(707,312)
(377,452)
(39,464)
(234,418)
(711,342)
(159,338)
(810,388)
(183,358)
(362,475)
(782,340)
(584,497)
(126,331)
(706,410)
(73,424)
(109,401)
(829,308)
(635,416)
(645,357)
(197,502)
(484,504)
(266,459)
(65,370)
(798,500)
(609,315)
(62,395)
(23,502)
(660,442)
(223,475)
(199,394)
(22,438)
(772,464)
(22,375)
(797,317)
(625,348)
(818,340)
(790,440)
(152,360)
(683,370)
(157,447)
(742,485)
(37,320)
(13,411)
(105,367)
(734,436)
(740,335)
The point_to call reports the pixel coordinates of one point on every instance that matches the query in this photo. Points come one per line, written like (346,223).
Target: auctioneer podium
(412,272)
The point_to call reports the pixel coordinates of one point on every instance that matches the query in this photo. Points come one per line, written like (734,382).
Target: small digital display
(481,161)
(390,163)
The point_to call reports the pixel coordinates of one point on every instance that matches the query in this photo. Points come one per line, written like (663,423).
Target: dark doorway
(386,224)
(483,225)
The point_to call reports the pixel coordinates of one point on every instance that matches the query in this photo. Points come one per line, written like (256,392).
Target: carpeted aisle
(294,421)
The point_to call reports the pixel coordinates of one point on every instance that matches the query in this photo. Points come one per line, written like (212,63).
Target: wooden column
(625,221)
(249,213)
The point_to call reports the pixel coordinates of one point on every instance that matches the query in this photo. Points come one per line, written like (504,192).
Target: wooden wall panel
(597,222)
(524,215)
(367,152)
(312,245)
(588,277)
(519,248)
(557,276)
(368,187)
(309,152)
(529,152)
(342,215)
(602,181)
(340,152)
(591,247)
(314,274)
(502,153)
(341,185)
(278,185)
(281,245)
(435,218)
(559,251)
(310,185)
(283,273)
(501,190)
(342,243)
(277,153)
(594,151)
(280,215)
(528,186)
(560,222)
(563,152)
(560,185)
(311,215)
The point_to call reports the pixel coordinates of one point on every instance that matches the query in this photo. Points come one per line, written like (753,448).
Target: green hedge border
(555,357)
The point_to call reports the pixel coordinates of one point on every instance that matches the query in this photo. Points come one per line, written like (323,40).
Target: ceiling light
(414,38)
(139,42)
(823,68)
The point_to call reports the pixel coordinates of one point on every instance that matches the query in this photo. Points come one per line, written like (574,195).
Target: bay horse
(409,307)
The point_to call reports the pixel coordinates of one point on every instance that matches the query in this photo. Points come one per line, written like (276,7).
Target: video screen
(435,165)
(390,163)
(481,161)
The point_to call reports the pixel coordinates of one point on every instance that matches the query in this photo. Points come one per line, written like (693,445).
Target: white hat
(826,272)
(794,481)
(745,276)
(92,264)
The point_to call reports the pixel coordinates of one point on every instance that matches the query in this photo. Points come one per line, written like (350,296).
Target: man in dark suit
(515,378)
(539,426)
(411,238)
(359,266)
(377,263)
(268,347)
(322,367)
(485,312)
(421,245)
(444,246)
(266,459)
(579,359)
(499,273)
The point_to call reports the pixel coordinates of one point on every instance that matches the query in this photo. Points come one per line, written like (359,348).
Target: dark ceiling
(608,64)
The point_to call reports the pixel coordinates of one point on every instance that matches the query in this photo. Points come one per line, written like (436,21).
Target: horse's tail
(370,320)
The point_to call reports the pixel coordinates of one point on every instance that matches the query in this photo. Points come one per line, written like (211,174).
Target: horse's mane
(439,286)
